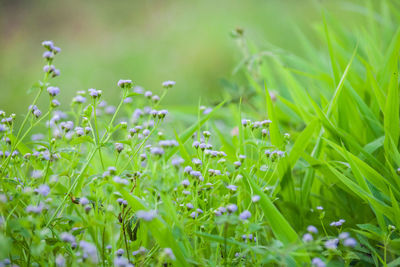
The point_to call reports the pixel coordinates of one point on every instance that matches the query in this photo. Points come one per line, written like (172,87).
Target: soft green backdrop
(146,41)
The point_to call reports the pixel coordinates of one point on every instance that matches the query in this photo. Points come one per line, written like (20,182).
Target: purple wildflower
(125,83)
(168,84)
(307,237)
(312,229)
(245,215)
(43,190)
(146,215)
(317,262)
(53,91)
(350,242)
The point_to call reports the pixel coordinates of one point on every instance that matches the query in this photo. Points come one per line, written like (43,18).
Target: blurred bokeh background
(146,41)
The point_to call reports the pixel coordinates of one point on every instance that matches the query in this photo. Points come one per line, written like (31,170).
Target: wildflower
(317,262)
(141,250)
(237,164)
(168,84)
(245,215)
(185,183)
(162,113)
(37,113)
(189,206)
(60,261)
(231,208)
(36,174)
(79,131)
(48,45)
(197,162)
(320,208)
(232,187)
(331,244)
(143,157)
(176,162)
(155,98)
(206,134)
(112,170)
(87,208)
(245,122)
(83,201)
(119,147)
(168,252)
(53,91)
(193,214)
(110,110)
(146,132)
(203,146)
(125,83)
(307,237)
(94,93)
(264,132)
(55,103)
(187,169)
(35,209)
(158,151)
(122,262)
(350,242)
(146,215)
(120,180)
(148,94)
(344,235)
(43,190)
(338,223)
(66,237)
(255,198)
(89,251)
(79,99)
(49,68)
(217,212)
(120,252)
(312,229)
(266,122)
(56,50)
(56,72)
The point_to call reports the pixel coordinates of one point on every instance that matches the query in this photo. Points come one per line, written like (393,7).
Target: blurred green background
(146,41)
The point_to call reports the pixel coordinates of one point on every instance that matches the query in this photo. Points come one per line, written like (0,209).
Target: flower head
(125,83)
(245,215)
(43,190)
(312,229)
(168,84)
(53,91)
(146,215)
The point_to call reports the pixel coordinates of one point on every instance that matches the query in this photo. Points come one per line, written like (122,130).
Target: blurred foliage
(147,41)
